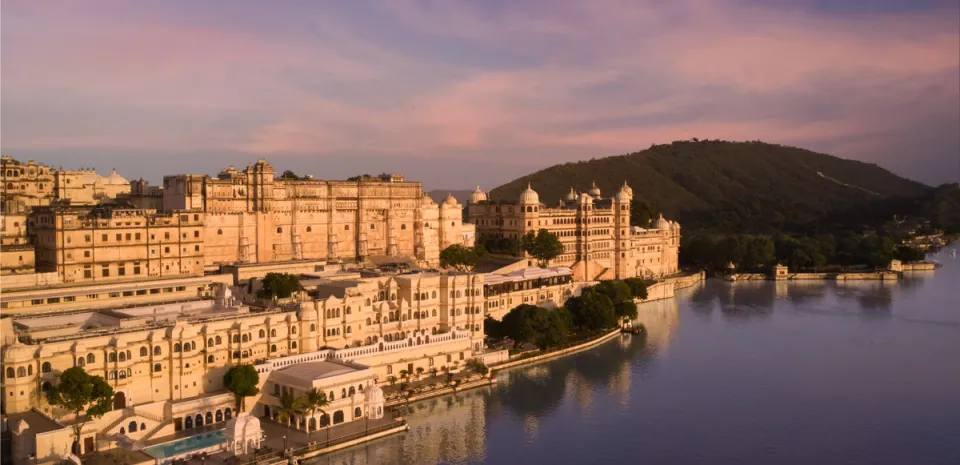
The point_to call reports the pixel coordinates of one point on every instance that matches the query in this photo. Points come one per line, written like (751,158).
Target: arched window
(293,345)
(210,359)
(218,340)
(113,356)
(279,230)
(11,374)
(123,357)
(369,321)
(156,350)
(245,338)
(433,294)
(132,426)
(209,417)
(46,386)
(176,347)
(434,313)
(227,413)
(91,358)
(346,227)
(144,352)
(219,416)
(236,354)
(273,348)
(45,368)
(357,413)
(309,229)
(263,334)
(129,355)
(403,227)
(219,232)
(352,391)
(273,333)
(293,330)
(209,342)
(331,395)
(236,338)
(343,393)
(313,327)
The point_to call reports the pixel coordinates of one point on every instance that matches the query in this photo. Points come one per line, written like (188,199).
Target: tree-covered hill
(728,186)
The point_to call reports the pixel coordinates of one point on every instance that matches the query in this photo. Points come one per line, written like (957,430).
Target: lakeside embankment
(501,360)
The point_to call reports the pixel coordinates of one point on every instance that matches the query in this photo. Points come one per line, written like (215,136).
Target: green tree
(542,245)
(280,285)
(626,310)
(461,257)
(82,394)
(242,380)
(617,290)
(638,287)
(289,175)
(592,311)
(493,328)
(290,408)
(315,401)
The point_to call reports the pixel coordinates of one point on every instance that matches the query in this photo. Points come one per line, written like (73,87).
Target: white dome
(243,425)
(478,196)
(115,179)
(627,189)
(529,196)
(18,352)
(572,195)
(594,190)
(623,197)
(427,201)
(662,223)
(373,394)
(449,200)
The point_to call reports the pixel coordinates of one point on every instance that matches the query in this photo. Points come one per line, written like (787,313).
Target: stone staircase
(149,434)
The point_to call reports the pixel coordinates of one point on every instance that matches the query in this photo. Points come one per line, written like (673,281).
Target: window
(122,269)
(119,237)
(309,229)
(103,237)
(156,350)
(279,230)
(219,232)
(157,368)
(143,351)
(166,235)
(86,254)
(136,270)
(196,234)
(45,368)
(166,250)
(105,271)
(209,358)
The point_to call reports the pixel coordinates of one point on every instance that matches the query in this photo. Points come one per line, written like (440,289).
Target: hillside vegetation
(728,186)
(753,203)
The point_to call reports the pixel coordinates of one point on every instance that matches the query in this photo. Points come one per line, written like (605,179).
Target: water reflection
(688,378)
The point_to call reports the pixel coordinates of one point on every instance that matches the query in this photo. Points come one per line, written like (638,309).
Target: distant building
(598,241)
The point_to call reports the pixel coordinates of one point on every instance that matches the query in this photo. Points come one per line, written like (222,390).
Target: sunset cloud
(523,84)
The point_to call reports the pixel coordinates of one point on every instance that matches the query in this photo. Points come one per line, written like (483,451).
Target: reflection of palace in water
(660,318)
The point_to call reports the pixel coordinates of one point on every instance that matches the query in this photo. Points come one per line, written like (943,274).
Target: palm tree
(315,401)
(290,407)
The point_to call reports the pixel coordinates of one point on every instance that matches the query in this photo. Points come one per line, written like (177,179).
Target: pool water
(191,443)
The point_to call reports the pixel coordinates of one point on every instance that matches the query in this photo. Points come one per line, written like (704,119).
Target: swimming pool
(191,443)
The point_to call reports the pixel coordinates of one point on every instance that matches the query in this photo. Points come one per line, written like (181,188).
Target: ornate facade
(597,238)
(253,217)
(31,184)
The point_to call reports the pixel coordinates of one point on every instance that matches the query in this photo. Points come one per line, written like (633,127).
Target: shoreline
(668,286)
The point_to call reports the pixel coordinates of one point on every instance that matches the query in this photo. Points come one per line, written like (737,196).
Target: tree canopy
(288,174)
(242,380)
(537,325)
(83,394)
(461,257)
(280,285)
(542,245)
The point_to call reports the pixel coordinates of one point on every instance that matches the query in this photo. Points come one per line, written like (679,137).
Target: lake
(730,373)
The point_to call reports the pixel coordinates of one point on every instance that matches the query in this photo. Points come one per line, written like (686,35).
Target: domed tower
(478,196)
(621,232)
(451,215)
(571,196)
(594,191)
(529,210)
(374,399)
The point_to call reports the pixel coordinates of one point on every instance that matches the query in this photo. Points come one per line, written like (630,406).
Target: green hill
(731,186)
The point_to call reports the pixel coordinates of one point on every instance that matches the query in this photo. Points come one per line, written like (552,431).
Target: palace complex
(158,290)
(598,240)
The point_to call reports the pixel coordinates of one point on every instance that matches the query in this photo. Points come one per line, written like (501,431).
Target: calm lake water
(745,373)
